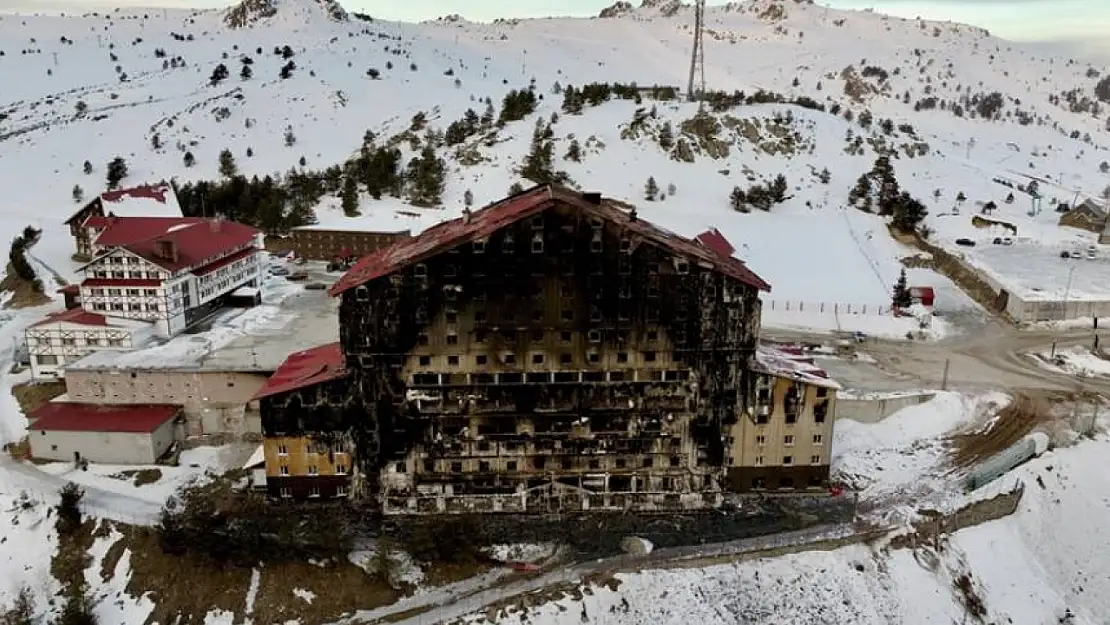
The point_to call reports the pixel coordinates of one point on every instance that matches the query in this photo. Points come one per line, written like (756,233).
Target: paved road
(988,356)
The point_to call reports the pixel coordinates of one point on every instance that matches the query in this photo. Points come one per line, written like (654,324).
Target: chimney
(632,214)
(167,250)
(466,215)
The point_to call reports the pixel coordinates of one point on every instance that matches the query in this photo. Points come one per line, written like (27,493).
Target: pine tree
(824,176)
(666,136)
(290,138)
(78,193)
(228,168)
(468,198)
(88,168)
(489,115)
(515,188)
(117,171)
(961,198)
(349,198)
(651,189)
(246,72)
(538,163)
(574,151)
(189,159)
(737,199)
(427,177)
(671,189)
(901,297)
(156,141)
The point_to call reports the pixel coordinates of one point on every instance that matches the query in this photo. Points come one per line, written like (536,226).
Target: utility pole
(944,378)
(970,144)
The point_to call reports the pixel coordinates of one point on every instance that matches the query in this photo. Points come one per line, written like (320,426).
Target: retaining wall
(873,410)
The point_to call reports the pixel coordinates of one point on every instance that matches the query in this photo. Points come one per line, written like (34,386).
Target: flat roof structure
(73,417)
(248,340)
(1037,272)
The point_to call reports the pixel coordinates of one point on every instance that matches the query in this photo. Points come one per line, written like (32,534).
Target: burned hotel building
(551,351)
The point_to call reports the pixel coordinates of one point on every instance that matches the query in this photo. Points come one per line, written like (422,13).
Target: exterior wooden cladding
(314,243)
(559,363)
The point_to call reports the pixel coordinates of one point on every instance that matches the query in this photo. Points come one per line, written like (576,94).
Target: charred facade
(549,352)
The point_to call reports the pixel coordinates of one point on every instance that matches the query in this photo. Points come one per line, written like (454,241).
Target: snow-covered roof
(80,317)
(257,458)
(789,361)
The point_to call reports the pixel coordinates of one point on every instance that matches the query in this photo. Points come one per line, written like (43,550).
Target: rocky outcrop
(616,10)
(249,12)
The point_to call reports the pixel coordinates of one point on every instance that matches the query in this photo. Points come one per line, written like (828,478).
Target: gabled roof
(788,361)
(78,316)
(306,368)
(714,240)
(494,217)
(196,240)
(74,417)
(149,199)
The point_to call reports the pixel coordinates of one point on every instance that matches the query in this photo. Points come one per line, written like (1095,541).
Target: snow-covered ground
(816,251)
(1045,561)
(1077,361)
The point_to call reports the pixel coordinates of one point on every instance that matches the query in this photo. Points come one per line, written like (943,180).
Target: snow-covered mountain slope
(93,87)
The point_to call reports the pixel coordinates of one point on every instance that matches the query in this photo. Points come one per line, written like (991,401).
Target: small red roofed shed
(118,434)
(923,295)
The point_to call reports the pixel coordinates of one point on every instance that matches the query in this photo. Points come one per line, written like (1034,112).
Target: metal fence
(837,308)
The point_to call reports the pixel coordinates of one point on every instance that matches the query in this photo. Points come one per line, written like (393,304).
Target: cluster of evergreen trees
(593,94)
(17,256)
(538,164)
(878,191)
(759,196)
(278,203)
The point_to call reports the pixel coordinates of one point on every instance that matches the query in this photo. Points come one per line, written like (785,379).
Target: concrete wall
(105,447)
(1039,310)
(873,410)
(213,401)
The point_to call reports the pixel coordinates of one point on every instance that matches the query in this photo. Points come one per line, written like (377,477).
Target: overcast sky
(1087,20)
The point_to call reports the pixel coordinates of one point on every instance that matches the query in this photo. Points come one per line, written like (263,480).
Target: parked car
(1065,254)
(297,276)
(1003,241)
(965,242)
(1092,252)
(315,286)
(279,271)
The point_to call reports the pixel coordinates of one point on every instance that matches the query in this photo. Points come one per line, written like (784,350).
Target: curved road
(993,356)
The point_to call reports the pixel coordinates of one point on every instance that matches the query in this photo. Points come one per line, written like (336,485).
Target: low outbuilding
(135,434)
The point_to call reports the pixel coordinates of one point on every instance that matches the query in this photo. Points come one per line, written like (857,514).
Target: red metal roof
(74,417)
(162,193)
(73,315)
(494,217)
(72,289)
(196,240)
(225,261)
(123,230)
(306,368)
(714,240)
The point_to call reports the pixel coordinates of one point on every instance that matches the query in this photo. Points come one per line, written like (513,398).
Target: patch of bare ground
(1011,423)
(495,612)
(340,589)
(32,395)
(24,293)
(141,477)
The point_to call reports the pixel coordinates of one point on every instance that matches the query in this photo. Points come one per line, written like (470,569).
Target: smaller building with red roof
(148,200)
(67,336)
(133,434)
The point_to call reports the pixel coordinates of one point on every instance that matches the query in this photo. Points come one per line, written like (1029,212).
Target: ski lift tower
(697,57)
